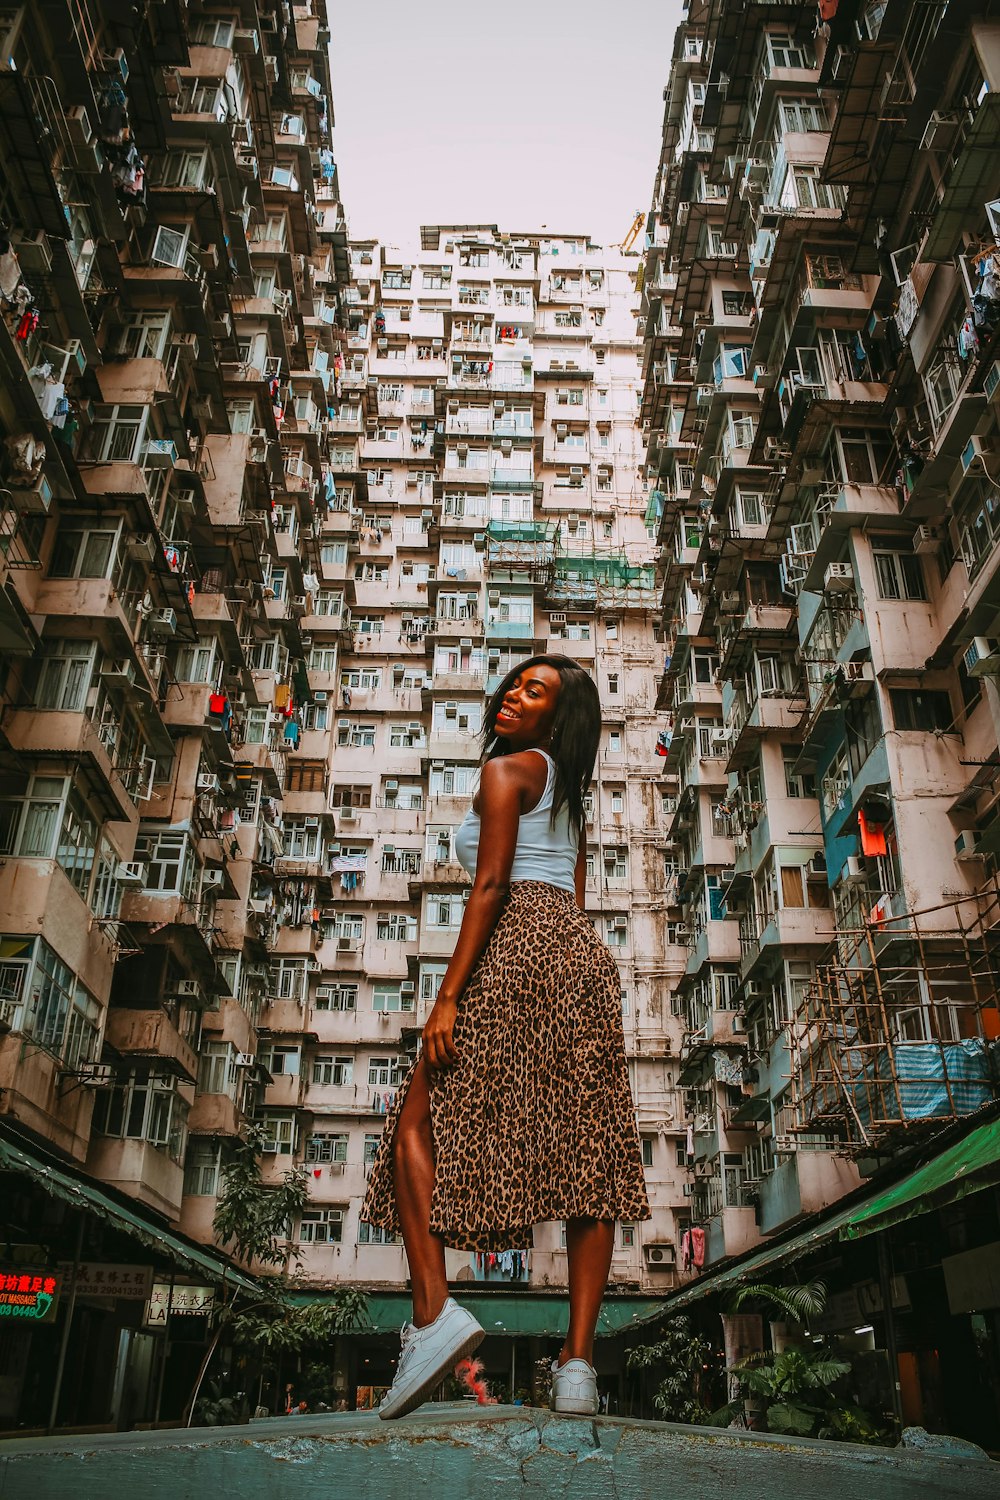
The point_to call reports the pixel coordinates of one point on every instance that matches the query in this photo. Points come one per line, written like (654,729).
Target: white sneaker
(426,1356)
(574,1387)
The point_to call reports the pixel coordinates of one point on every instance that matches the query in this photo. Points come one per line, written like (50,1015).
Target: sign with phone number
(29,1294)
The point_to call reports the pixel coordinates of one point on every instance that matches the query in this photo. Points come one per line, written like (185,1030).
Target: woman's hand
(438,1034)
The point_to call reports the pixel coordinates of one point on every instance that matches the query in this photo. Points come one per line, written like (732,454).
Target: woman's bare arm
(501,794)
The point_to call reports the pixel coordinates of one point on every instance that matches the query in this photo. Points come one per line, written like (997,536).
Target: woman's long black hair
(576,731)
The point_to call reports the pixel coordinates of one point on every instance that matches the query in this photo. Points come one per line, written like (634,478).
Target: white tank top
(542,852)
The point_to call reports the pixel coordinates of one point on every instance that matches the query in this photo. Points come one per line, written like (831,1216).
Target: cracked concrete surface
(498,1453)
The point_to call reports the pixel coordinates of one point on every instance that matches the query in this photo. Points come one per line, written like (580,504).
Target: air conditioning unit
(163,622)
(982,658)
(407,987)
(739,1025)
(479,541)
(97,1075)
(208,781)
(78,126)
(719,741)
(557,618)
(687,1189)
(620,924)
(730,604)
(817,864)
(838,578)
(965,847)
(785,1145)
(576,471)
(33,252)
(348,815)
(245,1060)
(131,873)
(118,673)
(189,989)
(853,872)
(320,696)
(211,879)
(975,455)
(926,540)
(939,131)
(659,1255)
(142,547)
(347,945)
(991,380)
(160,453)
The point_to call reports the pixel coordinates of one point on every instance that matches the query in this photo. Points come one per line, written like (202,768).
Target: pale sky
(528,113)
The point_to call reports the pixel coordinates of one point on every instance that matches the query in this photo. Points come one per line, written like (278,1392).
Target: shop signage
(197,1301)
(29,1293)
(96,1279)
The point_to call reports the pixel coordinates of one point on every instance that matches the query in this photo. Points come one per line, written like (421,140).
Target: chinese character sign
(197,1301)
(96,1279)
(29,1294)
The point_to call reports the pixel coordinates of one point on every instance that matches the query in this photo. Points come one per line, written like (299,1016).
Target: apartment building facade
(498,510)
(819,403)
(174,267)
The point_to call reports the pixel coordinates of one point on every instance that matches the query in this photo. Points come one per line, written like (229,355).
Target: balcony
(139,1168)
(150,1034)
(802,1184)
(215,1114)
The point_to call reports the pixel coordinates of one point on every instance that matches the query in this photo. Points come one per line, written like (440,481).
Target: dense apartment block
(172,275)
(488,504)
(278,511)
(820,383)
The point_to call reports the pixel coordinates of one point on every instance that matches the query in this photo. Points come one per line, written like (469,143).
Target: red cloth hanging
(217,704)
(872,836)
(698,1247)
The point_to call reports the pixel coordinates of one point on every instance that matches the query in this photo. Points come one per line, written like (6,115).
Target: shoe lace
(406,1345)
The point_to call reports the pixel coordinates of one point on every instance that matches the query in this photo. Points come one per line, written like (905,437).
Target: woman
(519,1109)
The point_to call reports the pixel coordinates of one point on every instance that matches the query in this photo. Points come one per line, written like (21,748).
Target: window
(899,575)
(371,1234)
(147,1109)
(328,1146)
(281,1060)
(389,999)
(330,1070)
(359,736)
(321,1226)
(922,709)
(618,800)
(614,741)
(616,931)
(170,245)
(628,1236)
(337,997)
(386,1072)
(395,927)
(202,1169)
(65,675)
(85,552)
(647,1142)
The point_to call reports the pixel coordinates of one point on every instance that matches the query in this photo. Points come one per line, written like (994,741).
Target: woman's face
(528,710)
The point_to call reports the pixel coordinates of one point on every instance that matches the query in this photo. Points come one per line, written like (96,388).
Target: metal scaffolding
(899,1029)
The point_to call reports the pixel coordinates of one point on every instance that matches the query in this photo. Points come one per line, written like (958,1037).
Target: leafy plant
(683,1355)
(795,1392)
(252,1221)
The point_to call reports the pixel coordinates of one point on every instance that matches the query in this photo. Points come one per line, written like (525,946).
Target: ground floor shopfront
(913,1273)
(105,1312)
(523,1329)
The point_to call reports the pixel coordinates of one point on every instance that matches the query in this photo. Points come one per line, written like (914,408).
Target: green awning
(514,1315)
(970,1165)
(81,1193)
(967,1167)
(749,1270)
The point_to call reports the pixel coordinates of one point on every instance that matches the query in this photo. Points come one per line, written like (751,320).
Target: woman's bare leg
(413,1179)
(589,1243)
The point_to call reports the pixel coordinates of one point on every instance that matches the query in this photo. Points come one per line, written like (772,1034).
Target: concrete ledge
(460,1451)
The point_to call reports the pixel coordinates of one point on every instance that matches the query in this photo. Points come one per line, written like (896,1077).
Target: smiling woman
(519,1110)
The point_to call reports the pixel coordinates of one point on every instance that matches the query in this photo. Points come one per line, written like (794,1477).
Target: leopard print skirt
(535,1120)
